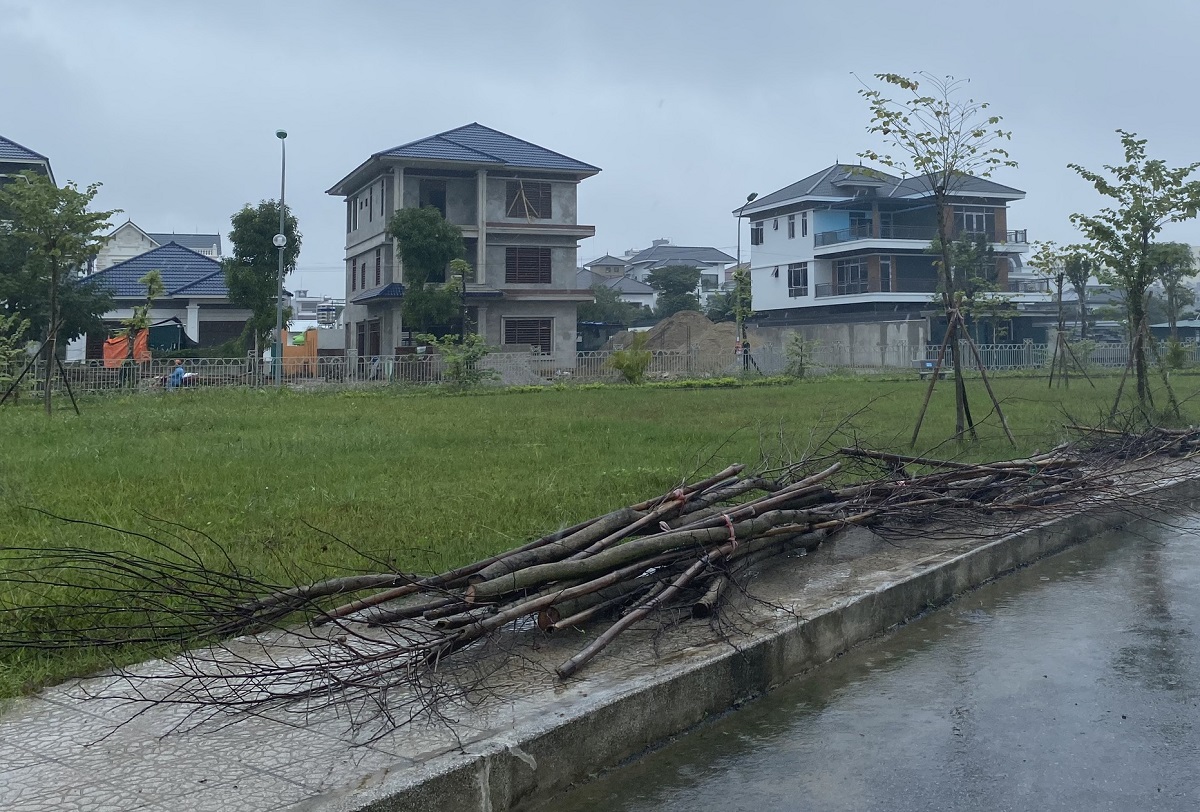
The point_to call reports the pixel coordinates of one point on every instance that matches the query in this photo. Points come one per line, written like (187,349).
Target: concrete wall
(864,337)
(563,208)
(563,253)
(491,318)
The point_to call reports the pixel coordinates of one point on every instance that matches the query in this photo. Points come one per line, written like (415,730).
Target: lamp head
(281,134)
(750,197)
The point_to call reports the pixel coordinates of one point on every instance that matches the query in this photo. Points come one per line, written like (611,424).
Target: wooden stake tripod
(1062,348)
(62,373)
(1140,340)
(954,324)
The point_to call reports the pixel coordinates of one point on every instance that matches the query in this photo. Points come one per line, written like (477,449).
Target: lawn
(430,480)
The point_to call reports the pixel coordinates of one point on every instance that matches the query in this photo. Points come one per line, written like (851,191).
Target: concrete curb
(527,765)
(538,762)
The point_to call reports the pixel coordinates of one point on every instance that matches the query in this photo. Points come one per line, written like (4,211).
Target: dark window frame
(528,265)
(756,233)
(533,331)
(528,199)
(797,279)
(378,267)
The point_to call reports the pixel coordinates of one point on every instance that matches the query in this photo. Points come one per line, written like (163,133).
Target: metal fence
(509,369)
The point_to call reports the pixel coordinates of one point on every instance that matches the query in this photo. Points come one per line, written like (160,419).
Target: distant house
(127,241)
(631,290)
(607,265)
(15,159)
(516,205)
(710,262)
(195,294)
(849,244)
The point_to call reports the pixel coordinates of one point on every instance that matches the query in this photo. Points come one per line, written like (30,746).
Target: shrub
(632,361)
(461,358)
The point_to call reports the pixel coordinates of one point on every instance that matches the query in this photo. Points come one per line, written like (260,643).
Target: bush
(633,361)
(799,352)
(1176,355)
(461,358)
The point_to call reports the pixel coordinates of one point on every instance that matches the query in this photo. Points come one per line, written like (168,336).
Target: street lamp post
(280,241)
(741,323)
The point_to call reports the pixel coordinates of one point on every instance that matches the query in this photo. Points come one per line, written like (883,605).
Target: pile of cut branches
(681,552)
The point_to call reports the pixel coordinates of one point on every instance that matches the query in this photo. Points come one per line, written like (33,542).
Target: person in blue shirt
(175,380)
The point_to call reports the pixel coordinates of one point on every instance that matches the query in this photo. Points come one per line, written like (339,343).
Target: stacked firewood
(683,549)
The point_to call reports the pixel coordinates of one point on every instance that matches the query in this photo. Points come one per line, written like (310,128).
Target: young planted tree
(51,234)
(1051,262)
(1079,267)
(676,286)
(1174,266)
(939,138)
(252,273)
(139,320)
(427,245)
(1145,195)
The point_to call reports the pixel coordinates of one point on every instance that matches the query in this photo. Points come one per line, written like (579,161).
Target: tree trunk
(51,338)
(1081,294)
(1172,311)
(960,389)
(1137,315)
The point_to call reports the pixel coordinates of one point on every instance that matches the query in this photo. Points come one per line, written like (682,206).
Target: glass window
(885,274)
(850,276)
(797,279)
(791,226)
(756,233)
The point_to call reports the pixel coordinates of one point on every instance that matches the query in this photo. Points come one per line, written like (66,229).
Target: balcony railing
(841,289)
(903,285)
(1029,286)
(916,233)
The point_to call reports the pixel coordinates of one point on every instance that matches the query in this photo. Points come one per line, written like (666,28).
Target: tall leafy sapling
(1145,194)
(940,138)
(1174,268)
(676,286)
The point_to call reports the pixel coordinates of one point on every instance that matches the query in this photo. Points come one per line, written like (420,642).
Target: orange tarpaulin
(116,350)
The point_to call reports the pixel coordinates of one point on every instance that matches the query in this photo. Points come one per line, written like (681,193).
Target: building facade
(516,205)
(853,244)
(15,159)
(127,241)
(195,294)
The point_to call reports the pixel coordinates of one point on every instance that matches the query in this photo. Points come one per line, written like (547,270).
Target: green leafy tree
(940,138)
(49,236)
(607,307)
(720,307)
(1174,266)
(676,286)
(1079,267)
(252,273)
(1145,195)
(742,302)
(1051,262)
(427,245)
(975,283)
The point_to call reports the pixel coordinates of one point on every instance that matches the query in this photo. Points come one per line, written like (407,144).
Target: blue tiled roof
(663,256)
(837,181)
(12,151)
(394,290)
(184,273)
(477,144)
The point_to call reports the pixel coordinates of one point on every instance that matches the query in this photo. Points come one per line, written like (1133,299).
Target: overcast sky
(686,107)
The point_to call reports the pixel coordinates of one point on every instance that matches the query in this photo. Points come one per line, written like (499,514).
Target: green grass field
(431,480)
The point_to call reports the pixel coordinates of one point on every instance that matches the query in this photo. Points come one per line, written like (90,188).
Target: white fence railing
(526,368)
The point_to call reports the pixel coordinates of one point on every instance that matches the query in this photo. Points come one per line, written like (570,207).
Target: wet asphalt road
(1071,685)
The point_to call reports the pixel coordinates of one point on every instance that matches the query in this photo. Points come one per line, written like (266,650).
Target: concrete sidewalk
(528,735)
